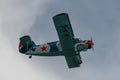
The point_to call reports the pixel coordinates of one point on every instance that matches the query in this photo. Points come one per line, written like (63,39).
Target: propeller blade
(92,44)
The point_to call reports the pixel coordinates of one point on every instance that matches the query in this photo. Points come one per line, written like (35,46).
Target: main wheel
(80,62)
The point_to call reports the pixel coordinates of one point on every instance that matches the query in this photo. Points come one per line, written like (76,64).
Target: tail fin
(25,43)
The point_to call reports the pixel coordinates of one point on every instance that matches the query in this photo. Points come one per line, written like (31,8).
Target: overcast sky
(99,19)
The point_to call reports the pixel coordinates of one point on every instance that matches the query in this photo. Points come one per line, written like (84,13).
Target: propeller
(92,44)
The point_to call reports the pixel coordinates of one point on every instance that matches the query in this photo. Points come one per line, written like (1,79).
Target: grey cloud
(97,18)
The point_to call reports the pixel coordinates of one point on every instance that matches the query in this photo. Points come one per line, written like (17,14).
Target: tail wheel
(30,56)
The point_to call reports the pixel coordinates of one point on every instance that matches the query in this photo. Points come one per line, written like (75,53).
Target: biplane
(67,46)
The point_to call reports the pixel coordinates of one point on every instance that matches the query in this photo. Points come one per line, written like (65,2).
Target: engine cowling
(81,47)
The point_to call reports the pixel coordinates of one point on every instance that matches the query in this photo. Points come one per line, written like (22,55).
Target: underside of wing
(71,58)
(65,34)
(72,61)
(64,30)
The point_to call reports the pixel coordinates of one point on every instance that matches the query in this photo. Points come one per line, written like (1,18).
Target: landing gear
(30,56)
(80,61)
(79,58)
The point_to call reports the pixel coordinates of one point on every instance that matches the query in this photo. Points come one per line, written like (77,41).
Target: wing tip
(61,14)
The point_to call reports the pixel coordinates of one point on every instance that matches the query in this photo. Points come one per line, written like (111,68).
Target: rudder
(25,43)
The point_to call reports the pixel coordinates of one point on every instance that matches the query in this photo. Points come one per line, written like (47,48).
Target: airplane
(67,46)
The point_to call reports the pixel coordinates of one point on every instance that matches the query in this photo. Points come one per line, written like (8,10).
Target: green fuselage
(53,48)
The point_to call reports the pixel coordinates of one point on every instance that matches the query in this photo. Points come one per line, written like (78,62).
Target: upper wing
(64,30)
(65,33)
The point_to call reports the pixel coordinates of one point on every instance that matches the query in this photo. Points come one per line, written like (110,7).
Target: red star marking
(65,30)
(43,48)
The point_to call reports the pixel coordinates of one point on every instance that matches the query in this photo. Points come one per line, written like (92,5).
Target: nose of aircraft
(90,44)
